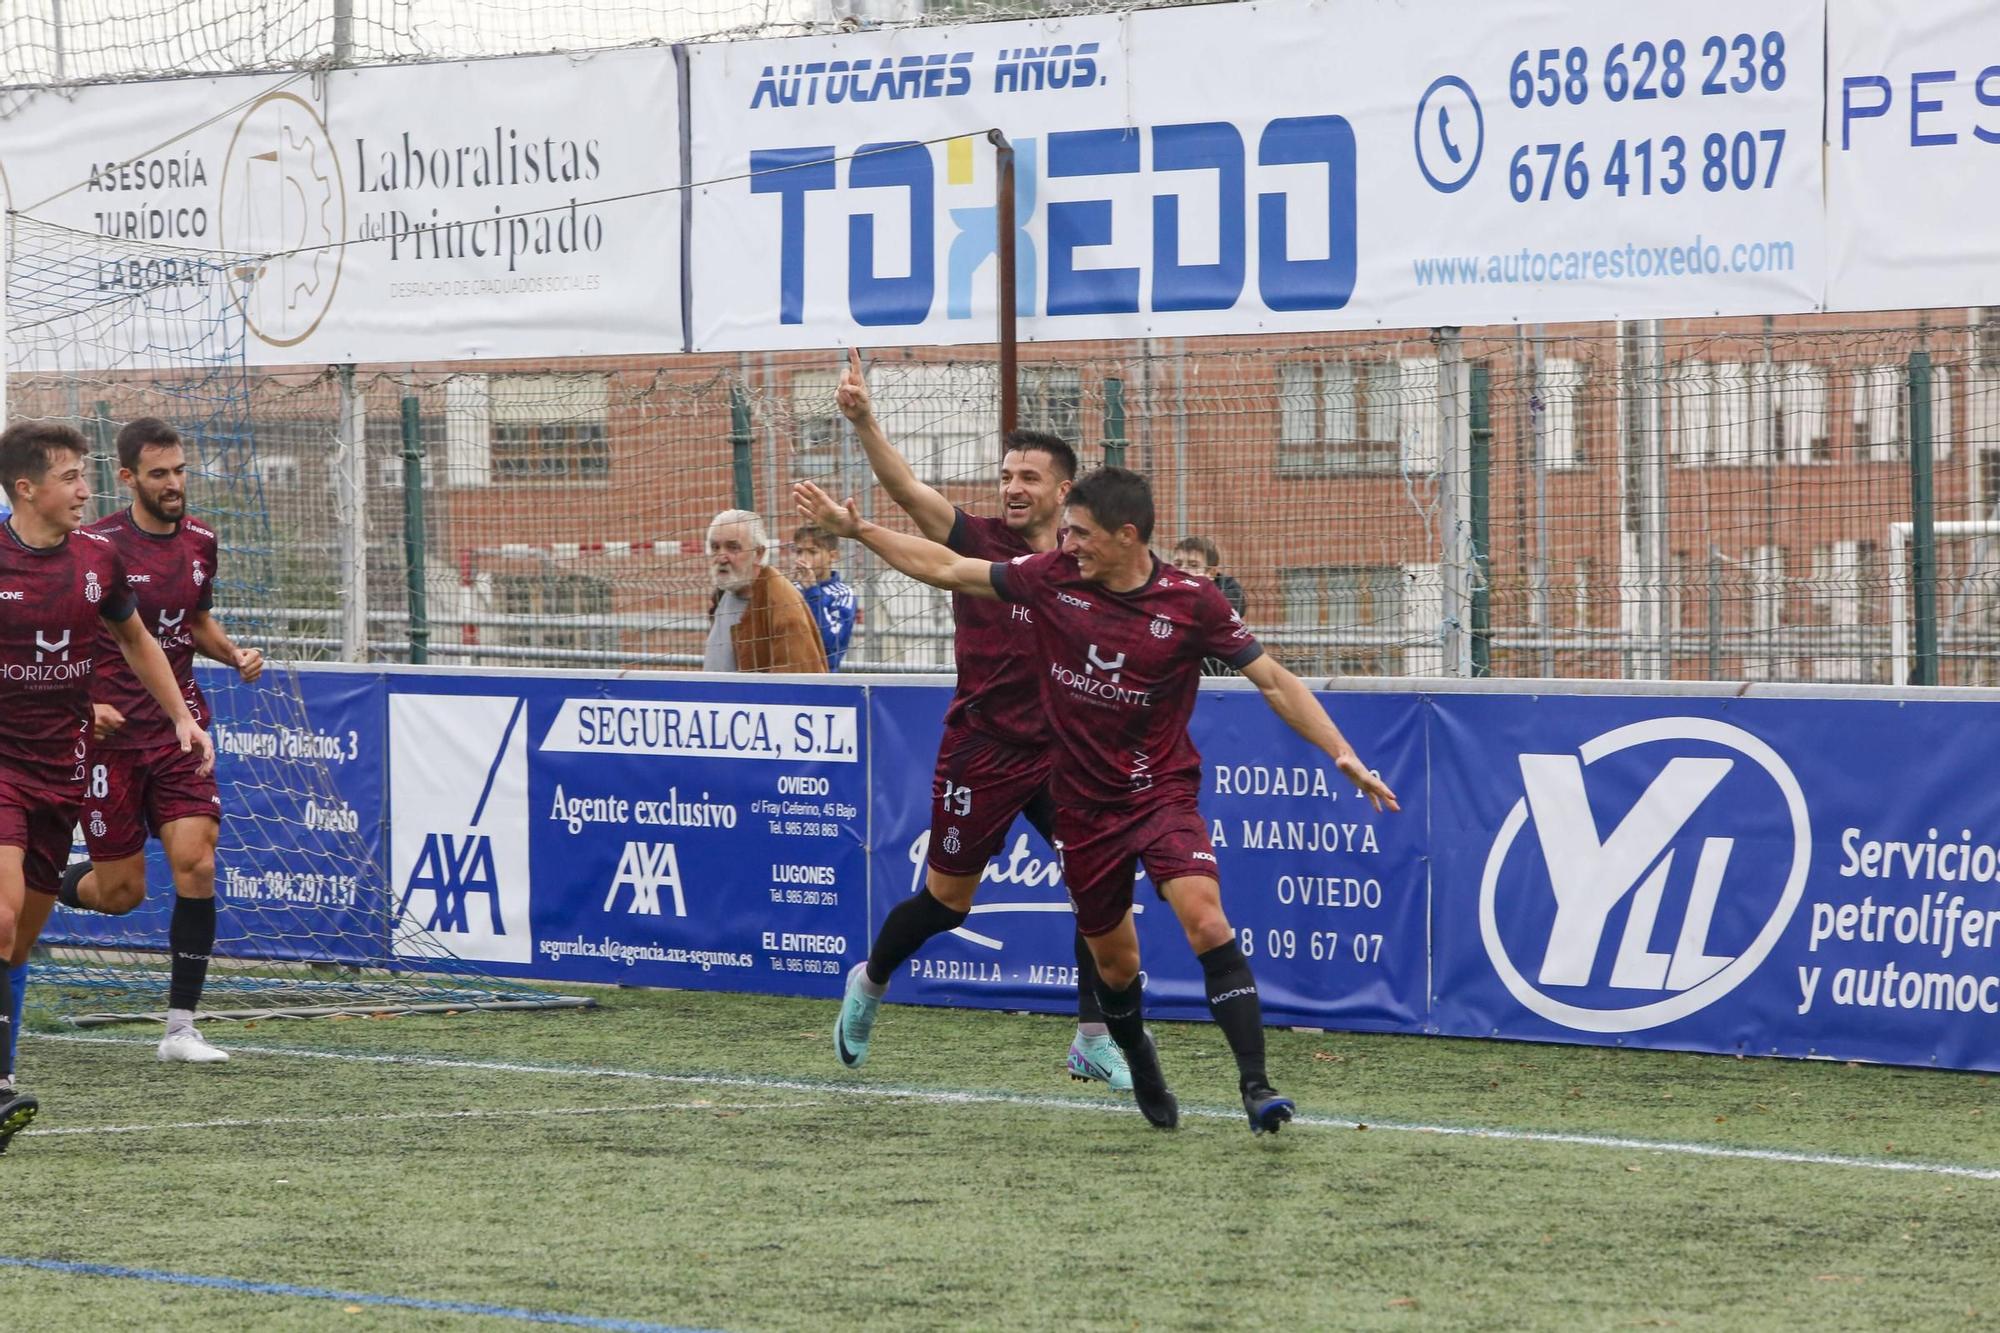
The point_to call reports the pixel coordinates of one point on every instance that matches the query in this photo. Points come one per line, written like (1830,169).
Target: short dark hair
(819,539)
(1116,496)
(1203,547)
(28,447)
(1055,446)
(141,435)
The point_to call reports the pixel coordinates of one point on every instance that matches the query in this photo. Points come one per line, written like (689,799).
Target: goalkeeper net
(102,332)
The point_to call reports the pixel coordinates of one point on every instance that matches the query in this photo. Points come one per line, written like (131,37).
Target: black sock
(910,925)
(6,1024)
(72,879)
(1122,1014)
(191,937)
(1232,999)
(1087,1010)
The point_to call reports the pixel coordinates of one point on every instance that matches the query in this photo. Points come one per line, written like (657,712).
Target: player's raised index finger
(854,360)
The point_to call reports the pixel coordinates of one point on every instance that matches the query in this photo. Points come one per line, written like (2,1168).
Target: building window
(1051,399)
(1558,395)
(1358,416)
(549,427)
(385,447)
(1345,619)
(816,423)
(558,611)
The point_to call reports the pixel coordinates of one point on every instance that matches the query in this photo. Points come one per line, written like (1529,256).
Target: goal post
(100,332)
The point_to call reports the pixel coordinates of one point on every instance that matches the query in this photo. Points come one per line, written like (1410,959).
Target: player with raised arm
(994,758)
(140,781)
(1122,638)
(57,585)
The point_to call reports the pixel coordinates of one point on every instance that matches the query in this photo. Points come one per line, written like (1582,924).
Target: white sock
(179,1020)
(868,988)
(1092,1030)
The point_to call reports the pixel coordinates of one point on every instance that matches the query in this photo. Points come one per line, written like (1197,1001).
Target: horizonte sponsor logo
(709,730)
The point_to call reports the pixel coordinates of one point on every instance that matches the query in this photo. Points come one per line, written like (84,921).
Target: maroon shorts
(979,786)
(1101,848)
(39,819)
(131,794)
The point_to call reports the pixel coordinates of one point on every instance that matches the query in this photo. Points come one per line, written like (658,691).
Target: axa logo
(1624,911)
(454,868)
(1110,667)
(645,868)
(44,646)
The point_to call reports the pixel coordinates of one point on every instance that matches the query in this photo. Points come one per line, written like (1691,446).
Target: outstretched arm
(1301,710)
(925,561)
(933,513)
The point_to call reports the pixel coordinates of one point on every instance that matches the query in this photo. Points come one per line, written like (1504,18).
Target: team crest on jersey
(92,589)
(199,577)
(1162,627)
(951,843)
(97,829)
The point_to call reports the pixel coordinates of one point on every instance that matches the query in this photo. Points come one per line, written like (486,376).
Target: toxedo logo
(1574,931)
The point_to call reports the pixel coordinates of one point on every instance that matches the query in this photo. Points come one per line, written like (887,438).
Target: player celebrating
(140,780)
(1122,638)
(57,584)
(993,761)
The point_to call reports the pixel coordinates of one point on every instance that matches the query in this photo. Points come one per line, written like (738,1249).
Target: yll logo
(646,868)
(1589,877)
(452,868)
(1112,667)
(44,645)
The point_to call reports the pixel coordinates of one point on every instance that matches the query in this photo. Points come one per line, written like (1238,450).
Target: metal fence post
(740,440)
(1479,495)
(414,550)
(1114,422)
(350,498)
(1923,533)
(1453,504)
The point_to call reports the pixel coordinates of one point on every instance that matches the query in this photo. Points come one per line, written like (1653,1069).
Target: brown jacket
(777,631)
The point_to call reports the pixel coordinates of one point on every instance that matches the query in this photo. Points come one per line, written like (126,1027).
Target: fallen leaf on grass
(1404,1303)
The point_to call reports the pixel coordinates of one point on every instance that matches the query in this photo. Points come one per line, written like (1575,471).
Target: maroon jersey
(999,665)
(171,576)
(51,599)
(1120,672)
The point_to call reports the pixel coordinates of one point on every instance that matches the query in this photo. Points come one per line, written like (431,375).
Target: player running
(1121,641)
(140,781)
(993,761)
(57,586)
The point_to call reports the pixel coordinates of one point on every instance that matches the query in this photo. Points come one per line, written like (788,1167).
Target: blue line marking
(235,1284)
(498,755)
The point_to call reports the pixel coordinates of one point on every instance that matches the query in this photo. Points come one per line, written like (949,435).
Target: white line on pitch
(475,1114)
(975,1098)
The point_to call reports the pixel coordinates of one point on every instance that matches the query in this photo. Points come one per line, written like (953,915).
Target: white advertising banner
(1912,139)
(1262,167)
(410,213)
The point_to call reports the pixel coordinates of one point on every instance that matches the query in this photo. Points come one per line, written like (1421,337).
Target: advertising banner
(300,775)
(691,834)
(1719,875)
(1912,120)
(1328,898)
(409,213)
(1261,168)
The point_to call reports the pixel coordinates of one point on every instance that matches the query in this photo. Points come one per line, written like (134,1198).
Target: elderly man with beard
(757,619)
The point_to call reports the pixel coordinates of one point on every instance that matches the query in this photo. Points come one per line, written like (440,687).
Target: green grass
(810,1205)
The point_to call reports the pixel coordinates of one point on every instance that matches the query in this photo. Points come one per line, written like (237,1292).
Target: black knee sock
(72,879)
(191,937)
(1122,1014)
(910,924)
(6,1024)
(1232,999)
(1087,1010)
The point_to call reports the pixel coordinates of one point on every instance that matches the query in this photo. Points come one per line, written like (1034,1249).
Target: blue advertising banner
(300,774)
(1327,896)
(703,834)
(1769,876)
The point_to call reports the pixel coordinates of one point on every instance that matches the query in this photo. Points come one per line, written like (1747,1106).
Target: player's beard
(161,510)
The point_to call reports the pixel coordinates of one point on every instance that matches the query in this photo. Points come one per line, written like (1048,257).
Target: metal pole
(1003,223)
(1652,383)
(740,440)
(414,549)
(1538,456)
(1479,491)
(1114,422)
(106,458)
(1715,613)
(1180,436)
(343,31)
(1923,532)
(350,493)
(1454,472)
(60,30)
